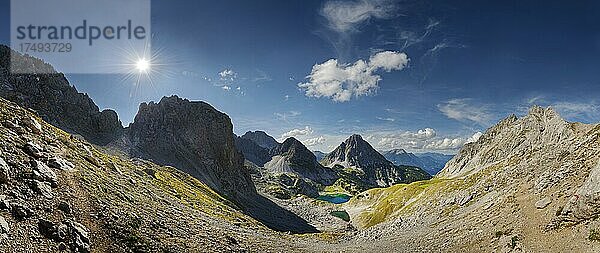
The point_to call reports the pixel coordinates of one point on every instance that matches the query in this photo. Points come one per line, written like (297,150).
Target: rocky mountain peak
(261,138)
(541,128)
(397,151)
(293,156)
(194,137)
(355,152)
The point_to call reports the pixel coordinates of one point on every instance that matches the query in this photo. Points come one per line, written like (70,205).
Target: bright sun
(142,65)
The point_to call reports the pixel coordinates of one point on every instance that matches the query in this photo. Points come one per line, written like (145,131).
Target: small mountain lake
(341,214)
(336,198)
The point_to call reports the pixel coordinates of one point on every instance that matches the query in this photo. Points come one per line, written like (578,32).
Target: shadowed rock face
(358,153)
(252,151)
(261,139)
(55,100)
(197,139)
(193,137)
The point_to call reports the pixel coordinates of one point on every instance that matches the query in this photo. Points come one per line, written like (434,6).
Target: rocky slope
(432,163)
(527,185)
(60,193)
(54,99)
(373,168)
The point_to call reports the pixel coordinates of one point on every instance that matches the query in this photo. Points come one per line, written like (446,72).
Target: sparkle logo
(80,36)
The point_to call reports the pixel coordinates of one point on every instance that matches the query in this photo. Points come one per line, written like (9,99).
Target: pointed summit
(357,153)
(293,157)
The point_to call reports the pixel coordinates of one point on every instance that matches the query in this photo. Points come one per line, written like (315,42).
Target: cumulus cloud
(346,16)
(342,81)
(297,132)
(426,139)
(315,141)
(228,75)
(474,138)
(462,110)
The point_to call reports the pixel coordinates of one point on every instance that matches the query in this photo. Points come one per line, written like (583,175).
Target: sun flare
(142,65)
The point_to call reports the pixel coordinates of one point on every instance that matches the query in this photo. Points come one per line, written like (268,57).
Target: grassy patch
(594,235)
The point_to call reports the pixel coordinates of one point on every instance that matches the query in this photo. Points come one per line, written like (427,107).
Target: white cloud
(228,75)
(315,141)
(445,144)
(285,116)
(345,16)
(461,110)
(297,132)
(225,87)
(342,81)
(426,139)
(386,119)
(474,138)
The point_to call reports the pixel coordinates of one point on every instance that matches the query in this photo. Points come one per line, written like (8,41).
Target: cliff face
(55,100)
(193,137)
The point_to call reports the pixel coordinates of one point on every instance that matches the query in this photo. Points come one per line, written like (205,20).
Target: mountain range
(432,163)
(72,178)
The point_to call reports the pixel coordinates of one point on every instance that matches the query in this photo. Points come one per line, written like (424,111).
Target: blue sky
(419,75)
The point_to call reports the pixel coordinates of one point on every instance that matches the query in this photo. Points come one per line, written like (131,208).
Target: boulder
(34,150)
(42,172)
(43,188)
(33,125)
(543,203)
(4,228)
(59,163)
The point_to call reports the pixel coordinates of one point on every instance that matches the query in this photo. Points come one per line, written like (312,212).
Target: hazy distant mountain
(319,155)
(358,154)
(430,162)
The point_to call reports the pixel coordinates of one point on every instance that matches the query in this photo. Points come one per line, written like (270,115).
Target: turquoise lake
(335,198)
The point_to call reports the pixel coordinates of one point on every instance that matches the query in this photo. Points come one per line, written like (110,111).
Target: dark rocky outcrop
(54,99)
(357,153)
(193,137)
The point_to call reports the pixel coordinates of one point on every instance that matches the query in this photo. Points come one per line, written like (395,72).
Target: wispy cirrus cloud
(340,82)
(346,16)
(463,110)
